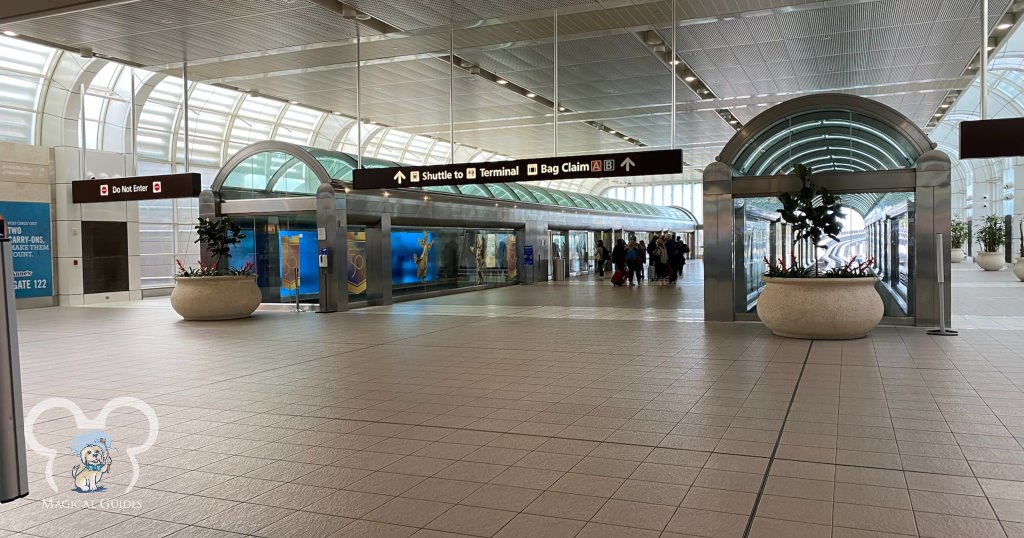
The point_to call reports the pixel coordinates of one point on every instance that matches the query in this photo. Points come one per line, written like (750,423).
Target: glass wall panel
(431,259)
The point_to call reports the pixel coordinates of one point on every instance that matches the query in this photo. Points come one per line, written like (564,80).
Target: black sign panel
(669,161)
(986,139)
(126,189)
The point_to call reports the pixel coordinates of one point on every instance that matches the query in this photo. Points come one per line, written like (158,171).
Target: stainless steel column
(332,234)
(718,243)
(378,262)
(13,466)
(932,205)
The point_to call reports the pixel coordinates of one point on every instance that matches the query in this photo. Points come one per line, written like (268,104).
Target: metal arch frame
(688,213)
(930,180)
(262,147)
(825,101)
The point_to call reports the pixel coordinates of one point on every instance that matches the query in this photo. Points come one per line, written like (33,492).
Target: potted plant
(1018,268)
(216,291)
(991,237)
(804,302)
(957,237)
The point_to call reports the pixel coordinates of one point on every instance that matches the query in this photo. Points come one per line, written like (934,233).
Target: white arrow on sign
(628,163)
(399,177)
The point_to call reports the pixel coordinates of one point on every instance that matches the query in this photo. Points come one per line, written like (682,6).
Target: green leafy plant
(851,269)
(218,236)
(958,233)
(993,234)
(814,213)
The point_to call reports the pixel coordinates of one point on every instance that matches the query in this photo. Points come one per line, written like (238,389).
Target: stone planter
(1018,269)
(990,261)
(956,255)
(820,308)
(211,298)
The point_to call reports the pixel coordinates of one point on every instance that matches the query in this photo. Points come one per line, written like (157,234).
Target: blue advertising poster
(299,251)
(528,255)
(28,223)
(411,258)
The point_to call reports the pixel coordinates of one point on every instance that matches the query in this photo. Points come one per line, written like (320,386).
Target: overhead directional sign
(123,189)
(987,139)
(668,161)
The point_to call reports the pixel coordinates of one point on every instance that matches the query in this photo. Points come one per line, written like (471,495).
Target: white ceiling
(750,53)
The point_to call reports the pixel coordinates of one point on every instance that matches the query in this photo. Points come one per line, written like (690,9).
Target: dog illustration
(95,463)
(421,259)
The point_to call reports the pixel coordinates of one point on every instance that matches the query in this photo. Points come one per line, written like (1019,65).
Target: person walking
(641,252)
(619,255)
(632,261)
(600,258)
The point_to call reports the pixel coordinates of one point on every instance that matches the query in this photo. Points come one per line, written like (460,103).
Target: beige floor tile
(471,520)
(302,525)
(873,518)
(719,500)
(951,504)
(600,530)
(385,483)
(707,523)
(566,505)
(651,492)
(407,512)
(774,528)
(872,496)
(949,526)
(527,478)
(374,529)
(581,484)
(442,490)
(533,526)
(502,497)
(635,514)
(350,504)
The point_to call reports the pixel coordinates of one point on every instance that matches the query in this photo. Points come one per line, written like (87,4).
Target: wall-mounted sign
(986,139)
(28,224)
(638,163)
(126,189)
(528,255)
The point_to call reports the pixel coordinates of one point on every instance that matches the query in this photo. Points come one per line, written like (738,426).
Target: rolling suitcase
(618,277)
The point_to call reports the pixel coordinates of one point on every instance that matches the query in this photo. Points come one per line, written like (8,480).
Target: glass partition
(433,259)
(878,226)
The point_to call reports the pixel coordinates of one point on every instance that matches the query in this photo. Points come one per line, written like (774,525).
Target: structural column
(719,224)
(332,235)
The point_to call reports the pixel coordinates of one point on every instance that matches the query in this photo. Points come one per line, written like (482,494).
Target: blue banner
(528,255)
(28,224)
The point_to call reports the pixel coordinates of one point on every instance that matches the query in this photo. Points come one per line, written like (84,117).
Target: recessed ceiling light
(293,102)
(612,131)
(1004,26)
(937,114)
(991,47)
(690,78)
(561,109)
(531,95)
(501,81)
(10,33)
(944,105)
(676,62)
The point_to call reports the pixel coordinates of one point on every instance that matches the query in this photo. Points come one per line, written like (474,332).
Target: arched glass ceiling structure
(826,140)
(837,132)
(274,168)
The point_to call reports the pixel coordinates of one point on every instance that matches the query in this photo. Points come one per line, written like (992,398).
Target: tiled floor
(556,410)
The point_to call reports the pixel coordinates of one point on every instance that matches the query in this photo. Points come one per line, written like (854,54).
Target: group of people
(663,258)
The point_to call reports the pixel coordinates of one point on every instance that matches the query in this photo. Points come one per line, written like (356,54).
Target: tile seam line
(778,441)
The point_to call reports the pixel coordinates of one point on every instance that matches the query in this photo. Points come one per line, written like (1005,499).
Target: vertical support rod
(135,139)
(184,115)
(81,132)
(359,98)
(297,307)
(673,67)
(940,277)
(451,94)
(984,59)
(556,104)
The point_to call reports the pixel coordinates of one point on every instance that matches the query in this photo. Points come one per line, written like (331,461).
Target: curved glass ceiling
(825,140)
(284,169)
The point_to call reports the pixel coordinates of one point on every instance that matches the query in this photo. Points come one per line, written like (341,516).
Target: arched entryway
(885,168)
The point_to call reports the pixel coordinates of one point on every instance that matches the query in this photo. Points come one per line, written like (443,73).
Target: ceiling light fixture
(676,62)
(10,33)
(501,81)
(689,78)
(336,113)
(531,95)
(561,109)
(293,102)
(944,105)
(612,131)
(1004,26)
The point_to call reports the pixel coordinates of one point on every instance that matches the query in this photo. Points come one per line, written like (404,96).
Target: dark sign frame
(637,163)
(128,189)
